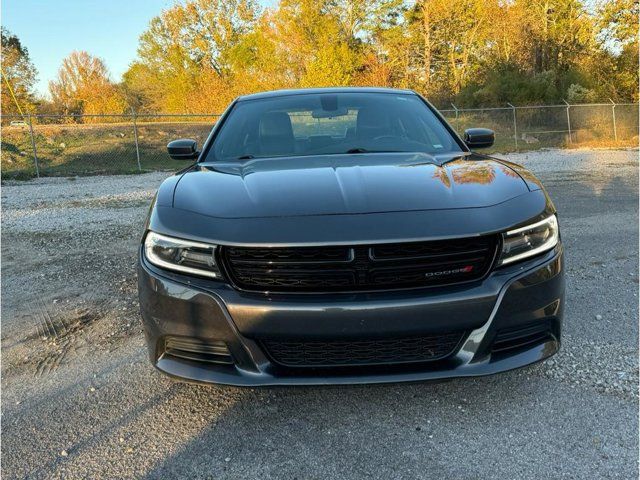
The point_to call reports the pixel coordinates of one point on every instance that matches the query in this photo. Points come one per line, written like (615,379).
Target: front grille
(362,267)
(343,353)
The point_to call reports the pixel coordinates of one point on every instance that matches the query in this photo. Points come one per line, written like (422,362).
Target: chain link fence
(68,145)
(552,126)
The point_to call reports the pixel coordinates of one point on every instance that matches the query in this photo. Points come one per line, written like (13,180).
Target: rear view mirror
(338,112)
(479,137)
(183,149)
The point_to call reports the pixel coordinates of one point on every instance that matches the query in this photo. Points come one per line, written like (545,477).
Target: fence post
(613,115)
(455,109)
(515,125)
(568,119)
(33,145)
(135,136)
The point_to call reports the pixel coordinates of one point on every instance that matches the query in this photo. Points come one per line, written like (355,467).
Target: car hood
(346,184)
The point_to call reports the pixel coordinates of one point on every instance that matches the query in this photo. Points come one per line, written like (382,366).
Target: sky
(52,29)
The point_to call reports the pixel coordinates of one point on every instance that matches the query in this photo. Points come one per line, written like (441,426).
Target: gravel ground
(81,401)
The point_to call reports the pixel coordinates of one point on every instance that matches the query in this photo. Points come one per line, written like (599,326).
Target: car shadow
(336,431)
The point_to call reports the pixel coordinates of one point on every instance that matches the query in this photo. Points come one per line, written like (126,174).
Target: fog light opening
(199,350)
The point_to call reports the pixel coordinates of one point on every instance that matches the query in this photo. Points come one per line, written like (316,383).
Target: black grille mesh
(362,267)
(362,352)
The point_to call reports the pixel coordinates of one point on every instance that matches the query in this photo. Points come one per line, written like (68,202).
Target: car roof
(305,91)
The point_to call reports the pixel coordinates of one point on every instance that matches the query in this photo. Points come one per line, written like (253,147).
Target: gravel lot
(80,399)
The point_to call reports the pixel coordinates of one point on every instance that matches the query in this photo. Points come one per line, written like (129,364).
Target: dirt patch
(69,254)
(64,330)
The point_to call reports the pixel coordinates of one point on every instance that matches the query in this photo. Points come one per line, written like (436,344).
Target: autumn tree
(187,47)
(614,66)
(452,36)
(197,55)
(536,51)
(18,76)
(83,87)
(313,45)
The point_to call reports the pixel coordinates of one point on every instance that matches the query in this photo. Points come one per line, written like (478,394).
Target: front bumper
(509,300)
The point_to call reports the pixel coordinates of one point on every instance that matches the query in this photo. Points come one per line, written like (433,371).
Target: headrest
(372,122)
(276,124)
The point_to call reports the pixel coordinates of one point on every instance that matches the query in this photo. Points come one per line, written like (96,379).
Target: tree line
(198,55)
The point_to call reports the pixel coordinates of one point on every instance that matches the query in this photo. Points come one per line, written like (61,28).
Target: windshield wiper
(364,150)
(357,150)
(246,157)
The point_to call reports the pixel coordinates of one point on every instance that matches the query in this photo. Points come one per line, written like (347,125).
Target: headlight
(181,255)
(530,240)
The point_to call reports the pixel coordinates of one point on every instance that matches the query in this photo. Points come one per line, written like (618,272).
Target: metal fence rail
(64,145)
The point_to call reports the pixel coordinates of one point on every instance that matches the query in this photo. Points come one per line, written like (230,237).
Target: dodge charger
(347,235)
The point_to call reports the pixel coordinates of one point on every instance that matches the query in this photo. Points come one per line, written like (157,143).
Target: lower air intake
(363,352)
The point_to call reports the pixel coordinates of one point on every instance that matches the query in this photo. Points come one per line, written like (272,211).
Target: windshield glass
(330,123)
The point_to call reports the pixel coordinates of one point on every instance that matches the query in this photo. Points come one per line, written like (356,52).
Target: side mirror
(183,149)
(479,137)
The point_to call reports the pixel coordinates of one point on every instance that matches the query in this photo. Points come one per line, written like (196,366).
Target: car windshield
(330,123)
